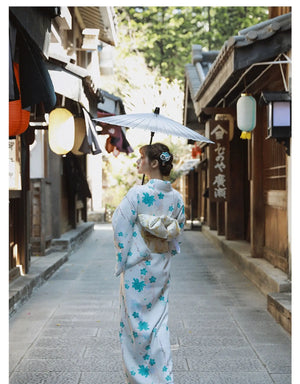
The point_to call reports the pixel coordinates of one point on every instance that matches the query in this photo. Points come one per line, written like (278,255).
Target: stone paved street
(221,331)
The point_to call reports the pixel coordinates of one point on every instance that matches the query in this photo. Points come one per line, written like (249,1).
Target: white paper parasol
(153,122)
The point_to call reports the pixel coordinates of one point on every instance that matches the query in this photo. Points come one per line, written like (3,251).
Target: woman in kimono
(147,225)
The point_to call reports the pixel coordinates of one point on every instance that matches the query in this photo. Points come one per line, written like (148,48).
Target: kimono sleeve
(180,217)
(123,222)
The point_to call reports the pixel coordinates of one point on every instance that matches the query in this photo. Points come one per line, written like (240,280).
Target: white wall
(37,155)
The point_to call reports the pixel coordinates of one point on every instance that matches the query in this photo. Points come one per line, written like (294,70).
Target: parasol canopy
(153,122)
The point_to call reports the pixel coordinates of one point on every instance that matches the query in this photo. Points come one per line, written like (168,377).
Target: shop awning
(188,166)
(67,82)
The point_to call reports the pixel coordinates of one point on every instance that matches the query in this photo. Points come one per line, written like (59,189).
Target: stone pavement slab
(221,331)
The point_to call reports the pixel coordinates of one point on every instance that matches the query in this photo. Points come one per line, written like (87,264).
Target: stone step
(42,267)
(271,281)
(279,305)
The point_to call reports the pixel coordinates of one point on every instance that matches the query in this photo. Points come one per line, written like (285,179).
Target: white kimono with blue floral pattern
(147,227)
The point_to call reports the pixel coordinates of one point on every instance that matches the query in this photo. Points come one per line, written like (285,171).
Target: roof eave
(236,56)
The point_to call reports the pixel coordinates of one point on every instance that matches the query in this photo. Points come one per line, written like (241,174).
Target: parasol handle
(151,138)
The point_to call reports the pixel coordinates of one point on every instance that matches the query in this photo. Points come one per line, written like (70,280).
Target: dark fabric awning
(35,82)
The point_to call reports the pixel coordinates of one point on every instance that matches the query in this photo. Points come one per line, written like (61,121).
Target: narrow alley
(221,331)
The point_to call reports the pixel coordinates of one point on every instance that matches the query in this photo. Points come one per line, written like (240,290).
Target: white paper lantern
(61,131)
(246,115)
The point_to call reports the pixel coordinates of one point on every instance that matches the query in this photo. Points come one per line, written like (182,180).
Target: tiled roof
(256,39)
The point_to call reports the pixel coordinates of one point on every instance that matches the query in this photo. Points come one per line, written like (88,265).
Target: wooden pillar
(212,215)
(235,205)
(23,207)
(221,218)
(257,209)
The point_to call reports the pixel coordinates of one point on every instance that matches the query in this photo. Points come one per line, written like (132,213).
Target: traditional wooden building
(56,50)
(241,188)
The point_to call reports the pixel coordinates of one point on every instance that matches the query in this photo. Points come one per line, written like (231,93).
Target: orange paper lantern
(18,117)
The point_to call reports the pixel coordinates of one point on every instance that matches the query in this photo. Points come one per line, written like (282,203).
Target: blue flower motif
(147,199)
(152,279)
(181,225)
(138,285)
(135,334)
(178,205)
(165,369)
(144,371)
(135,315)
(121,245)
(171,208)
(122,324)
(149,305)
(161,298)
(119,256)
(152,361)
(132,373)
(146,357)
(120,234)
(148,347)
(168,378)
(133,212)
(161,195)
(126,286)
(143,326)
(134,234)
(143,271)
(129,253)
(148,262)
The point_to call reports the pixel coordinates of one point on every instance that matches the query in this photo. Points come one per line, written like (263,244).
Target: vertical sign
(219,161)
(14,153)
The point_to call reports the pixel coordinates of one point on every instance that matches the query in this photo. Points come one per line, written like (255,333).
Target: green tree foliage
(164,35)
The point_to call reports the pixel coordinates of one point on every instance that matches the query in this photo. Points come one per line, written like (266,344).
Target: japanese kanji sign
(219,161)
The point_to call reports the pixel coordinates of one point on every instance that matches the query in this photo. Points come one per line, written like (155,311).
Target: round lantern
(61,131)
(246,115)
(18,117)
(80,133)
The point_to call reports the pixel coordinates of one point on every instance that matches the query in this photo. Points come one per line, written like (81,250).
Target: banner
(219,161)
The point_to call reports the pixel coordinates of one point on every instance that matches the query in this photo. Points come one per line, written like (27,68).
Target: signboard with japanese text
(14,162)
(219,161)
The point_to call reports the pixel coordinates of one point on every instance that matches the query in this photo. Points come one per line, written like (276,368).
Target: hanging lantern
(196,151)
(18,117)
(246,115)
(80,133)
(61,131)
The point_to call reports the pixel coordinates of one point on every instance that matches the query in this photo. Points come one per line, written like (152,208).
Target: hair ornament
(165,157)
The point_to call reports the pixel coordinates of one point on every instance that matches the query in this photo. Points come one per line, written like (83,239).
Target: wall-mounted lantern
(246,115)
(279,116)
(61,131)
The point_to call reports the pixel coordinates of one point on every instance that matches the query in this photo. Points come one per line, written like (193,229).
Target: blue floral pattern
(144,283)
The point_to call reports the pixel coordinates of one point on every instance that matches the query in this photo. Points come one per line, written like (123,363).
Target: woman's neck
(155,174)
